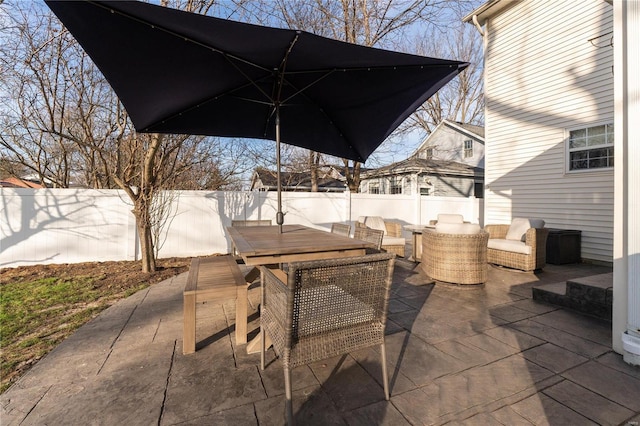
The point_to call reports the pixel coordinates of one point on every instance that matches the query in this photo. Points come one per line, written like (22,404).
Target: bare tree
(49,88)
(63,122)
(386,24)
(462,99)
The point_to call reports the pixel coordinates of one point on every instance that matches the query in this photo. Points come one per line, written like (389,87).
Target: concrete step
(597,288)
(590,295)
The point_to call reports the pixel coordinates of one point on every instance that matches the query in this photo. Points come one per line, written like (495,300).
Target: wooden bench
(213,279)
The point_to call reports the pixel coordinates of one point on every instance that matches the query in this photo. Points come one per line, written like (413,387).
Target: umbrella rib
(283,66)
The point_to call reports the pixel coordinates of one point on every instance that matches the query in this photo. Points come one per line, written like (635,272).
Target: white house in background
(448,163)
(554,112)
(454,141)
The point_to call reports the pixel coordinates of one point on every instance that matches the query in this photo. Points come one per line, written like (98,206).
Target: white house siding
(448,144)
(544,76)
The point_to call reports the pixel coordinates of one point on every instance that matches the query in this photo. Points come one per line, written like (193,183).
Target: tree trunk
(314,161)
(353,180)
(146,241)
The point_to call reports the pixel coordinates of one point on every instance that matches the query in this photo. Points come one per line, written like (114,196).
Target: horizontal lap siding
(543,76)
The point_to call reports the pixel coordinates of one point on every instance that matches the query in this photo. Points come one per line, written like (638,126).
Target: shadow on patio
(480,356)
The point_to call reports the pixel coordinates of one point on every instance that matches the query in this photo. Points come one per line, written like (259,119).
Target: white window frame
(608,144)
(372,185)
(467,152)
(396,183)
(428,153)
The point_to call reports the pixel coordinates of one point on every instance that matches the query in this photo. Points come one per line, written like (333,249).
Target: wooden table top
(259,245)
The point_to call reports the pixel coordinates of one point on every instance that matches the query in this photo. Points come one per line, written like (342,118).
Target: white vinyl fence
(39,226)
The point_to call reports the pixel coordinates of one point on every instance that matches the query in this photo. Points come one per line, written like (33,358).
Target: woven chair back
(341,229)
(329,307)
(370,235)
(241,223)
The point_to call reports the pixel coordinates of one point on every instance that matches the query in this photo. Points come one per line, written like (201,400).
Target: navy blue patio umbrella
(184,73)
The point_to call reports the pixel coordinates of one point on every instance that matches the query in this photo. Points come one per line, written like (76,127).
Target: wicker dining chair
(325,308)
(392,240)
(370,235)
(261,222)
(341,229)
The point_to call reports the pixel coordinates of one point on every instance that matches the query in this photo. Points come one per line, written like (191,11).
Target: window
(478,189)
(429,153)
(591,148)
(424,191)
(374,187)
(468,149)
(396,186)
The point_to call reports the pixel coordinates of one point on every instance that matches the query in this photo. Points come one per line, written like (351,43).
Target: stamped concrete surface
(486,356)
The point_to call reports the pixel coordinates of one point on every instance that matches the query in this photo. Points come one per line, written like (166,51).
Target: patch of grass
(41,305)
(37,315)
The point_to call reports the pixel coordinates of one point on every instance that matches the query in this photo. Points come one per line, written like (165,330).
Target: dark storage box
(563,246)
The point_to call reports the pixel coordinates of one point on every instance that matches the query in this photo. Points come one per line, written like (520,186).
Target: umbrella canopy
(184,73)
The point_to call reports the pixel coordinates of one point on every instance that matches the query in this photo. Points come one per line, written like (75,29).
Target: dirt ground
(114,275)
(115,280)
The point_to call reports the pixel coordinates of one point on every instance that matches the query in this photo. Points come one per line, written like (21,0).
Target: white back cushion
(458,228)
(450,218)
(519,227)
(375,222)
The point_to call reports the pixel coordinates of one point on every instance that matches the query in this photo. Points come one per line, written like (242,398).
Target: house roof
(489,9)
(466,128)
(422,165)
(470,130)
(13,182)
(293,181)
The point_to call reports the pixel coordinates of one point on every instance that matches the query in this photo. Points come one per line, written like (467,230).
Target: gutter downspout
(474,18)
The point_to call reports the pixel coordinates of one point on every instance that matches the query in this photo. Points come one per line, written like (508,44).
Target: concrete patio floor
(489,356)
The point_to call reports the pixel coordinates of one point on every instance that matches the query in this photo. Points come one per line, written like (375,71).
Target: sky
(395,148)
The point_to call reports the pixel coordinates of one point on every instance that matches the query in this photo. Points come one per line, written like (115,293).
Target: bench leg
(252,275)
(189,330)
(241,314)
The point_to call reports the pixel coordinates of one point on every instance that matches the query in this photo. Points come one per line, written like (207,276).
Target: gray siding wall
(445,186)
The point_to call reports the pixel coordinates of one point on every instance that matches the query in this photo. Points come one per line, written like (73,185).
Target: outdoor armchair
(520,245)
(455,253)
(325,308)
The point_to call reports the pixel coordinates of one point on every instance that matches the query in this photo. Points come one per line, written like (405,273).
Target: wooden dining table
(266,245)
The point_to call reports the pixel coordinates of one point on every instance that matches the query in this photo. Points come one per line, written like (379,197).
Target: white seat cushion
(393,241)
(509,245)
(450,218)
(519,227)
(458,228)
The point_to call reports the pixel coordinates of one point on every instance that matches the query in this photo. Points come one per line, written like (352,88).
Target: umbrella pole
(279,214)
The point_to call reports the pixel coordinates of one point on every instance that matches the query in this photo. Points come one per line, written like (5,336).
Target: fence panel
(81,225)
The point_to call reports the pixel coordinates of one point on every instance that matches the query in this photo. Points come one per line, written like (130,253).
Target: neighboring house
(454,141)
(267,180)
(549,115)
(424,176)
(449,162)
(13,182)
